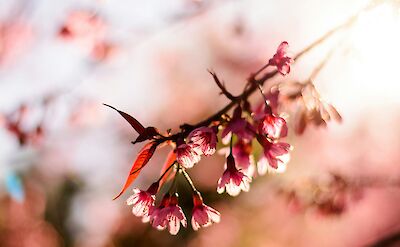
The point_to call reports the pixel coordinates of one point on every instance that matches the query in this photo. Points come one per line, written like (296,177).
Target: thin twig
(263,94)
(254,75)
(222,86)
(252,88)
(188,179)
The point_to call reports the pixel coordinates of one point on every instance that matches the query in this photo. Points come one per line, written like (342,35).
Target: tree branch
(391,240)
(249,90)
(222,86)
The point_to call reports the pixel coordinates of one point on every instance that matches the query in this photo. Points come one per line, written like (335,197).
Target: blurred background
(64,156)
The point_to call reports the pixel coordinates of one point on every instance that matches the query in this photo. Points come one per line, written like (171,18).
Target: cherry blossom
(204,140)
(232,179)
(281,60)
(264,124)
(273,126)
(272,98)
(203,215)
(89,31)
(142,201)
(168,215)
(187,155)
(239,126)
(83,26)
(15,37)
(275,155)
(242,152)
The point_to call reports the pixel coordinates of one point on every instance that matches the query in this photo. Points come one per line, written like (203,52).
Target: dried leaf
(300,121)
(142,159)
(324,112)
(334,113)
(131,120)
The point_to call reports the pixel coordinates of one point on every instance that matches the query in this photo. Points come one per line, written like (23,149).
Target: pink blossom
(87,30)
(15,38)
(273,126)
(239,126)
(142,201)
(242,152)
(232,179)
(204,140)
(83,26)
(168,215)
(276,156)
(281,59)
(203,215)
(102,50)
(273,102)
(187,155)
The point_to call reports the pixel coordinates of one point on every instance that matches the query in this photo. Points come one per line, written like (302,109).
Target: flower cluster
(240,132)
(30,122)
(168,214)
(331,197)
(89,31)
(16,121)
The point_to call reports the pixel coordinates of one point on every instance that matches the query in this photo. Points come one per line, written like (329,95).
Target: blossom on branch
(281,59)
(142,201)
(204,140)
(89,31)
(264,124)
(244,158)
(239,126)
(203,215)
(273,126)
(275,155)
(168,215)
(187,155)
(233,180)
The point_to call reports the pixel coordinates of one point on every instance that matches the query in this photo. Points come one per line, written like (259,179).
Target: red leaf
(171,158)
(131,120)
(142,159)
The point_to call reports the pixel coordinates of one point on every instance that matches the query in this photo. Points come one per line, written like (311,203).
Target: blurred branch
(252,84)
(391,240)
(332,196)
(349,22)
(222,86)
(322,64)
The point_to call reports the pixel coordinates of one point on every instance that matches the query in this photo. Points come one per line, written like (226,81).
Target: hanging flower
(272,97)
(273,126)
(204,140)
(187,155)
(232,179)
(168,215)
(281,60)
(142,201)
(276,156)
(239,126)
(203,215)
(244,159)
